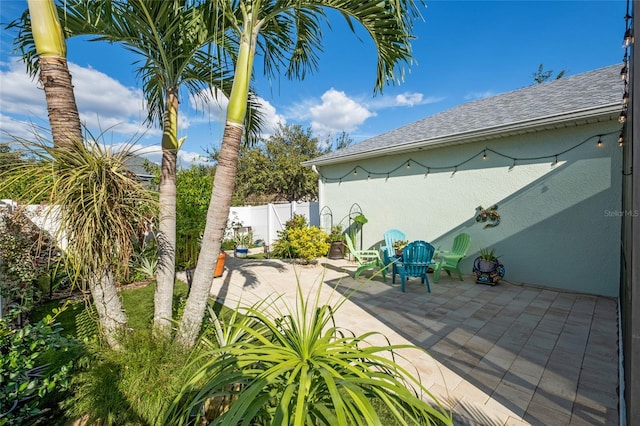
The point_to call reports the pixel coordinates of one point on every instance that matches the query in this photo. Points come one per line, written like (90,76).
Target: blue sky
(465,50)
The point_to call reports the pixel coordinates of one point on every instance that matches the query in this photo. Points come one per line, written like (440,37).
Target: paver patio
(504,355)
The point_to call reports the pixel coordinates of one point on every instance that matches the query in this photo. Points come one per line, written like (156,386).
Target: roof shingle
(582,92)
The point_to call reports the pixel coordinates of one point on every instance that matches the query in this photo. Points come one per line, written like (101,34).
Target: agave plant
(295,366)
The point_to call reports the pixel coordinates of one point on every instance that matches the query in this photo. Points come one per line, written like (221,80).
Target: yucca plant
(97,204)
(295,366)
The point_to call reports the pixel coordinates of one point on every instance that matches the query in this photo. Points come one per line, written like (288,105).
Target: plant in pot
(487,269)
(241,242)
(398,246)
(336,239)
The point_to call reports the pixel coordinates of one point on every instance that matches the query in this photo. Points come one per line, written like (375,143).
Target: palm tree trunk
(66,129)
(111,316)
(223,185)
(61,102)
(163,300)
(54,72)
(217,216)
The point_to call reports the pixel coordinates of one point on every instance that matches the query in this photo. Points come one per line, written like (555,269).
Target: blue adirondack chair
(416,260)
(450,260)
(391,236)
(366,259)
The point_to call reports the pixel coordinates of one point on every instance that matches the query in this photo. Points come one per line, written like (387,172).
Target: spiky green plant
(96,204)
(295,366)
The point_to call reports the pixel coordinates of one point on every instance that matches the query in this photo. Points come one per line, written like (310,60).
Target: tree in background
(289,36)
(541,76)
(271,171)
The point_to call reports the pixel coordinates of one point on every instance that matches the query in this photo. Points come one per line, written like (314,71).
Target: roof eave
(572,118)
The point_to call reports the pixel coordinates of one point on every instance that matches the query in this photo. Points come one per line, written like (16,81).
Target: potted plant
(241,242)
(398,246)
(336,239)
(487,269)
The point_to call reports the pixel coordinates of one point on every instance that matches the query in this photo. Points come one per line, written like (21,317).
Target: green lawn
(137,303)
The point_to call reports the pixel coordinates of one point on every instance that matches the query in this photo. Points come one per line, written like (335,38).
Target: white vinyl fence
(266,220)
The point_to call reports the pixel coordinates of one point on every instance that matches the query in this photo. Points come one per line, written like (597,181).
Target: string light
(408,164)
(484,152)
(623,71)
(355,171)
(628,38)
(623,116)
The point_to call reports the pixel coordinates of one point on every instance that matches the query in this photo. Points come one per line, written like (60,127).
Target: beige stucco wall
(560,224)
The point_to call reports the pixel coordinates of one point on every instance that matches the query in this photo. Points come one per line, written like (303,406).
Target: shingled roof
(589,97)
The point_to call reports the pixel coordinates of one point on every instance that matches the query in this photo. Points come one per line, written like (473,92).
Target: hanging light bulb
(625,97)
(368,177)
(428,170)
(628,38)
(484,154)
(623,116)
(599,144)
(355,171)
(408,164)
(621,139)
(623,71)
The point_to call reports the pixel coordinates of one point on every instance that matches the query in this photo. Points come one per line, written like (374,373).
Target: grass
(137,303)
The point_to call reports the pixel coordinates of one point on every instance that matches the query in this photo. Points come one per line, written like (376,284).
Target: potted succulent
(398,246)
(487,269)
(241,242)
(336,239)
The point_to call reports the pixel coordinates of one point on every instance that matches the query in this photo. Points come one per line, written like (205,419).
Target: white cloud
(271,118)
(406,99)
(215,108)
(478,95)
(105,105)
(337,113)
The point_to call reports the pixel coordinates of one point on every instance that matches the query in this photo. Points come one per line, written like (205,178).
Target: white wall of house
(560,223)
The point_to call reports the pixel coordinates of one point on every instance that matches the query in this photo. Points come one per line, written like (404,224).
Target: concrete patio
(504,355)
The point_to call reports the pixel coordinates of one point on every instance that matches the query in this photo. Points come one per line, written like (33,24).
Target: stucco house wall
(560,221)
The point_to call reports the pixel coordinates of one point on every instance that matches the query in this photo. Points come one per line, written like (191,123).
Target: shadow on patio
(503,355)
(547,357)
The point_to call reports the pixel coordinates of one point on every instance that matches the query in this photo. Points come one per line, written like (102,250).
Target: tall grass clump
(132,385)
(295,366)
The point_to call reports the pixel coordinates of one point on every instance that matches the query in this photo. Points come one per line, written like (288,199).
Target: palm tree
(44,50)
(51,53)
(288,33)
(174,39)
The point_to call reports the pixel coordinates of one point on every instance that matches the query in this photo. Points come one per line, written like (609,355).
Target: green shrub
(299,241)
(25,255)
(35,366)
(294,366)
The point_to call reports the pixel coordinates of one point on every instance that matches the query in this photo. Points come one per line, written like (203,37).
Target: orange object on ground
(220,264)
